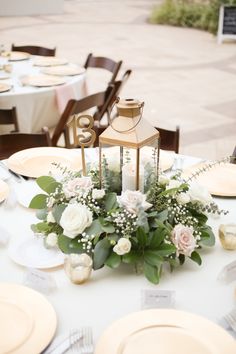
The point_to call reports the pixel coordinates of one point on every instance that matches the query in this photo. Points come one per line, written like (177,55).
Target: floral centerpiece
(166,225)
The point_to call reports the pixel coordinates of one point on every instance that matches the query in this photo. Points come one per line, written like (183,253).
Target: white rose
(50,217)
(183,198)
(163,180)
(199,194)
(51,239)
(75,219)
(182,237)
(174,184)
(123,246)
(76,186)
(133,201)
(98,193)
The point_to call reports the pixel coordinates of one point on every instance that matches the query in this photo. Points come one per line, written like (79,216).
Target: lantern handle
(110,121)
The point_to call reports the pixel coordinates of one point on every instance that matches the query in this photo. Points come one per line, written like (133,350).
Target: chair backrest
(11,143)
(9,117)
(233,158)
(116,89)
(169,139)
(103,63)
(76,107)
(34,50)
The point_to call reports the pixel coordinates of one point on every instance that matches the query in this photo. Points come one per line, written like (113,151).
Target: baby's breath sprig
(207,167)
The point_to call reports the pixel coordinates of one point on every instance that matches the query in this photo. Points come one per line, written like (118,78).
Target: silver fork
(230,318)
(75,345)
(87,347)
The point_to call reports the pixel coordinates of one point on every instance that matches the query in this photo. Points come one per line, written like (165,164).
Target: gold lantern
(129,149)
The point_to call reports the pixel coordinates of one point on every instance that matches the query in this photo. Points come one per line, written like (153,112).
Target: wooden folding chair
(169,139)
(11,143)
(103,63)
(9,117)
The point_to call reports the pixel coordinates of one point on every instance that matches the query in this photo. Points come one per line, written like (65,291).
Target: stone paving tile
(183,75)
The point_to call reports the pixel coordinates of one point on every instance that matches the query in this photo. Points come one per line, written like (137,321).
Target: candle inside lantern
(129,177)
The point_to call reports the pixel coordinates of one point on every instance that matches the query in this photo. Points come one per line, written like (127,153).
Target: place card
(4,236)
(157,299)
(40,281)
(228,273)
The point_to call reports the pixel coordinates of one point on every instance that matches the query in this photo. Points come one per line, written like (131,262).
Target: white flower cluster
(125,222)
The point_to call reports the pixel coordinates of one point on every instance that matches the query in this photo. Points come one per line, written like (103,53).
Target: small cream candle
(129,177)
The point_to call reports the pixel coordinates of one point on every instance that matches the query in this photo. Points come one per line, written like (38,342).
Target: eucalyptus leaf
(101,253)
(153,258)
(48,184)
(141,237)
(42,214)
(110,201)
(67,245)
(57,211)
(151,273)
(94,229)
(157,238)
(166,250)
(113,261)
(39,202)
(131,257)
(196,257)
(207,236)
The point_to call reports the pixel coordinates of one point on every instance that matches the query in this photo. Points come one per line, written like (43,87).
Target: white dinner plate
(220,180)
(165,331)
(28,320)
(31,253)
(65,70)
(39,161)
(4,190)
(5,87)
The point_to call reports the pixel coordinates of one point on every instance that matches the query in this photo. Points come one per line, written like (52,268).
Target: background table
(36,107)
(111,294)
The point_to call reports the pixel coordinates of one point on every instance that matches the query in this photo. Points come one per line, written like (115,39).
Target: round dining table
(37,106)
(111,294)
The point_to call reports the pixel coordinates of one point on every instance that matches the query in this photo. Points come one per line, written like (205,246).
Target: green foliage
(201,14)
(39,202)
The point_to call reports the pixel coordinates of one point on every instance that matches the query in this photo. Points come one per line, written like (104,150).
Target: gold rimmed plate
(40,161)
(165,331)
(220,180)
(64,70)
(42,80)
(50,61)
(4,87)
(16,56)
(23,327)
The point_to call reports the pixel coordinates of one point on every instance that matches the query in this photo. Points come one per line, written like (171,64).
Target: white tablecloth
(111,294)
(36,107)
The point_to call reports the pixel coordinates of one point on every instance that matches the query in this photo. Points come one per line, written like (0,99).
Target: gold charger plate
(36,162)
(50,61)
(63,70)
(4,87)
(16,56)
(220,180)
(23,328)
(42,80)
(4,190)
(165,331)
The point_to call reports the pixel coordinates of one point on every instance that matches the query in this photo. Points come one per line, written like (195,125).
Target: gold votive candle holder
(227,235)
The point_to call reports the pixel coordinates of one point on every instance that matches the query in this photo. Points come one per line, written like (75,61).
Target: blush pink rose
(77,186)
(182,237)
